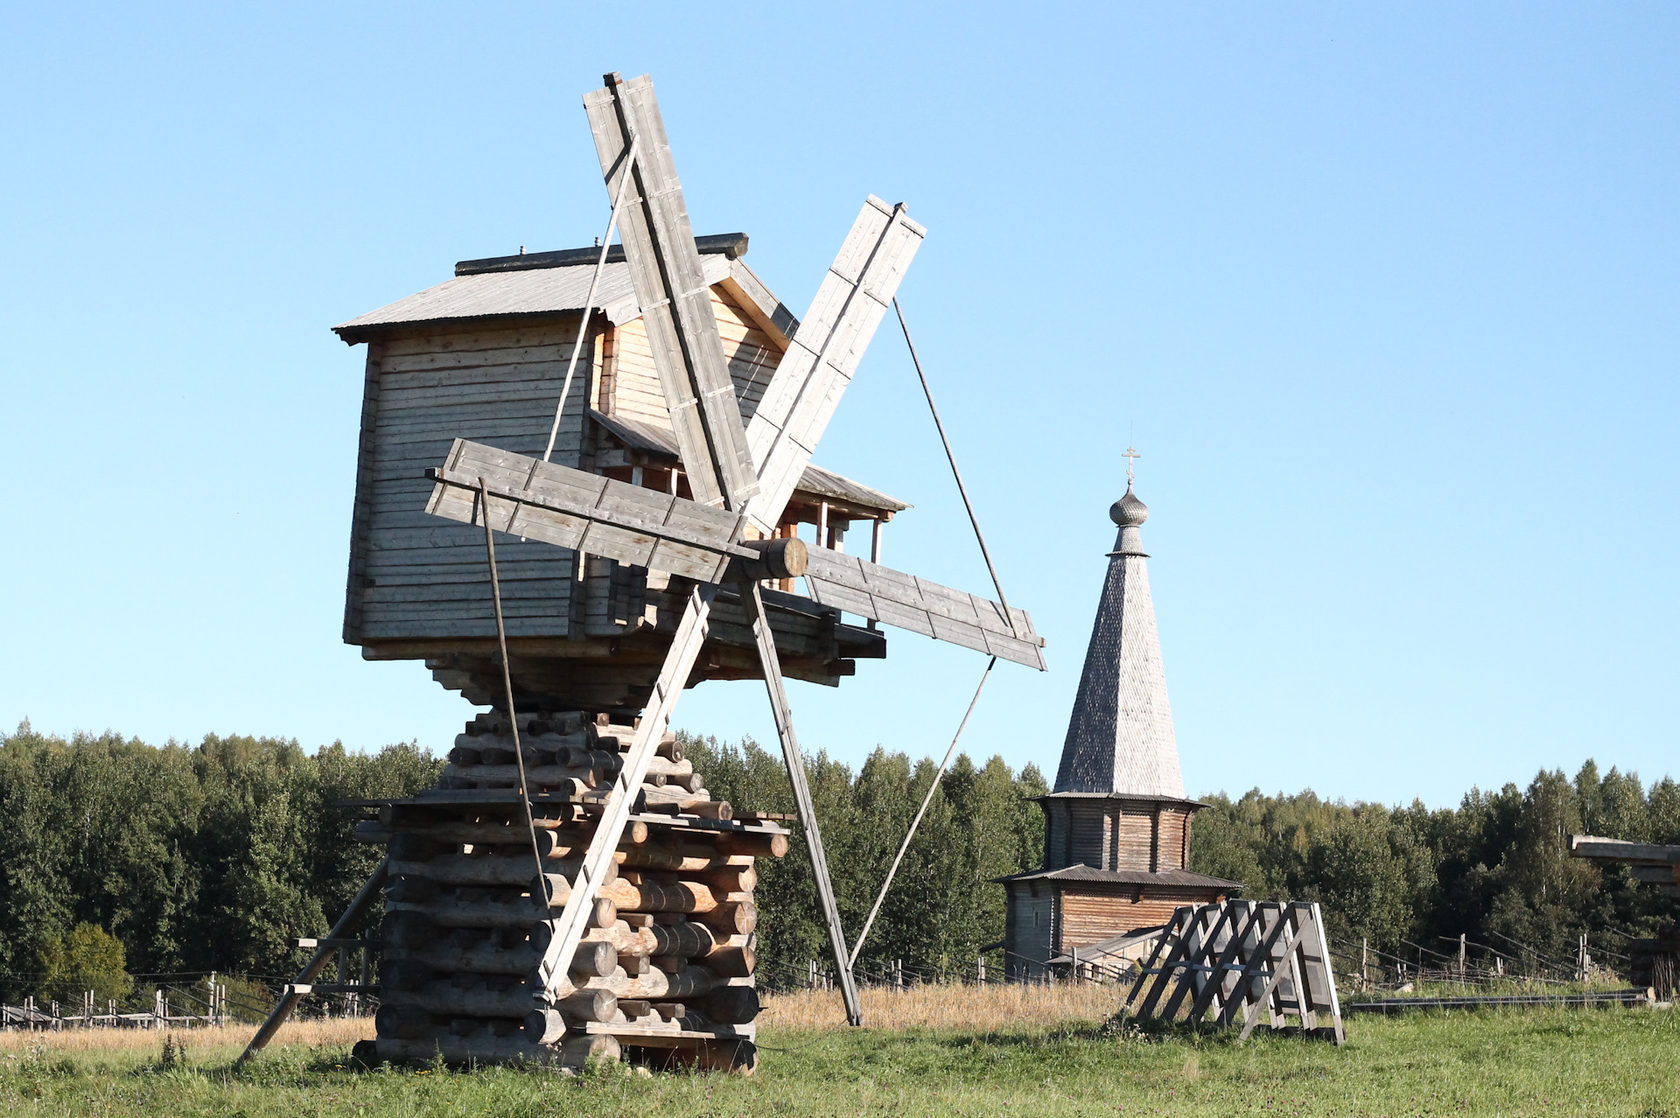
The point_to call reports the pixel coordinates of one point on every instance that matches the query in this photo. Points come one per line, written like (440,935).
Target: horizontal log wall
(665,971)
(413,575)
(1090,917)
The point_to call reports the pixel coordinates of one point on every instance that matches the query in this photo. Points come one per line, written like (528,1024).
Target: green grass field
(1551,1062)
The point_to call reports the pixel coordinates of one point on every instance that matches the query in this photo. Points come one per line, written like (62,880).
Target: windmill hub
(783,558)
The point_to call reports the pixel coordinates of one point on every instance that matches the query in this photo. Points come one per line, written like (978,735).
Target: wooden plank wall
(413,575)
(1090,917)
(1175,838)
(1134,826)
(1057,850)
(1029,928)
(634,391)
(1090,827)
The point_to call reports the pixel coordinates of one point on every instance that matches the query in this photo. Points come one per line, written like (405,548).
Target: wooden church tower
(1117,826)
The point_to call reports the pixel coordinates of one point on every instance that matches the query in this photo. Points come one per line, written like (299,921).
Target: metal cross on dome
(741,479)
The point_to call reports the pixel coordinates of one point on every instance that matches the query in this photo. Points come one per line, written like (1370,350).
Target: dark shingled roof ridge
(1092,875)
(732,245)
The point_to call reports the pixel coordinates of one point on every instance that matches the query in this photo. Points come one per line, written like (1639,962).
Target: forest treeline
(215,856)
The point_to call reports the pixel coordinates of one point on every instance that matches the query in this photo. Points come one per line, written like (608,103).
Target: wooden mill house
(483,356)
(1117,825)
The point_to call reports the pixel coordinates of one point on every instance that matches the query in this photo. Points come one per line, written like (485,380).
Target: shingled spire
(1120,739)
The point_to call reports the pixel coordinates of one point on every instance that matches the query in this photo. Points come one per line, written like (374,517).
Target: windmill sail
(675,299)
(647,528)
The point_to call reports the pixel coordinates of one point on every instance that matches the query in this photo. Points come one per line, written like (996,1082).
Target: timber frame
(1247,963)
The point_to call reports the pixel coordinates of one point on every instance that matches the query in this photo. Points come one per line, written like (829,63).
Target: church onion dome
(1128,511)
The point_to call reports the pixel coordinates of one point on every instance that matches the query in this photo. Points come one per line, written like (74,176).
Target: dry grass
(978,1008)
(337,1031)
(985,1009)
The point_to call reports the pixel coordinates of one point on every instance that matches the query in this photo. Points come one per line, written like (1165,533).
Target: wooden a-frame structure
(1246,962)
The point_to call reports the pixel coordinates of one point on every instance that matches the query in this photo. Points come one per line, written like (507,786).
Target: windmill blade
(675,299)
(870,590)
(546,501)
(807,385)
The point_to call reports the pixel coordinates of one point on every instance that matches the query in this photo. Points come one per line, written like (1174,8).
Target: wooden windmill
(691,531)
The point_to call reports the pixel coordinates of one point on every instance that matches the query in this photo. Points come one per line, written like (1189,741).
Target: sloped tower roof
(1120,739)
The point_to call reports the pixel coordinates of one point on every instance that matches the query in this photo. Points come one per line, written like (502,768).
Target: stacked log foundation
(664,975)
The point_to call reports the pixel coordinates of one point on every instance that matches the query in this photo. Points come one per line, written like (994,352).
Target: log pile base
(665,975)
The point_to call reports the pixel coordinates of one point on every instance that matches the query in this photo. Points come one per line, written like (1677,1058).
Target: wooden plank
(511,374)
(670,286)
(813,374)
(574,509)
(361,513)
(477,337)
(568,928)
(869,590)
(405,398)
(1618,850)
(539,355)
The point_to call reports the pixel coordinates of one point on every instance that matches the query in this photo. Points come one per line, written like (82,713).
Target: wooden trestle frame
(1241,959)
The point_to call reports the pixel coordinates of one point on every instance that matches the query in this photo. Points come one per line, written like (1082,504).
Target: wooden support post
(288,1001)
(753,600)
(1364,961)
(568,929)
(1462,959)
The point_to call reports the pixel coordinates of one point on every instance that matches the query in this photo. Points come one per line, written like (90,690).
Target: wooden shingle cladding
(413,576)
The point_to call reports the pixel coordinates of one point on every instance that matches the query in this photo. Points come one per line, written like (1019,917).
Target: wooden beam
(1619,850)
(807,385)
(802,798)
(671,287)
(317,962)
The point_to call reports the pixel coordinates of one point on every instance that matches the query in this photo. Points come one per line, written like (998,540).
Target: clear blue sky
(1386,296)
